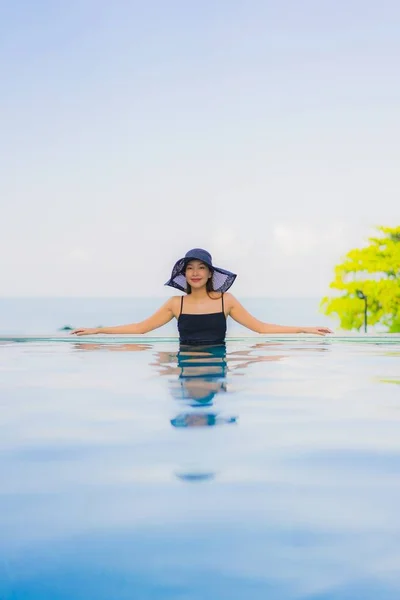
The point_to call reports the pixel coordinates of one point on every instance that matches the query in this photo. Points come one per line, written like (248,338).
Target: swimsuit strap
(222,298)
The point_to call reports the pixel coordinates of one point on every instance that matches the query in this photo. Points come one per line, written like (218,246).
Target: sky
(266,132)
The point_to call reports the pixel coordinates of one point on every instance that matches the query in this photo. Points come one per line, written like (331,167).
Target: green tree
(375,270)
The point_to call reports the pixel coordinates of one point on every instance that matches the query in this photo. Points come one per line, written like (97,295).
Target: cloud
(297,239)
(232,243)
(79,255)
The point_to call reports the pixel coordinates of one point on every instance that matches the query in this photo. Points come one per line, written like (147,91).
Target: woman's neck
(199,295)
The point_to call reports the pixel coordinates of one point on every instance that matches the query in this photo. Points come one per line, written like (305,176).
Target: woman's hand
(82,331)
(316,330)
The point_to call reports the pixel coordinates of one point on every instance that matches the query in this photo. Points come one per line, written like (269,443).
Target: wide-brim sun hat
(221,278)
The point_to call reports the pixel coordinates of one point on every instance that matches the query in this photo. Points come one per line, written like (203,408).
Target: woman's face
(197,274)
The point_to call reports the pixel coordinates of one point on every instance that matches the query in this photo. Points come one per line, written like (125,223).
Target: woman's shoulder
(229,298)
(218,295)
(174,304)
(175,300)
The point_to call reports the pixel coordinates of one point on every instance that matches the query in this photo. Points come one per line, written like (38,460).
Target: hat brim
(221,279)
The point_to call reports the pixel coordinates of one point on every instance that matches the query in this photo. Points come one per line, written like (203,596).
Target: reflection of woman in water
(202,375)
(202,313)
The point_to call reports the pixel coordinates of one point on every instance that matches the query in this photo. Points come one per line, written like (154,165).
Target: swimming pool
(266,470)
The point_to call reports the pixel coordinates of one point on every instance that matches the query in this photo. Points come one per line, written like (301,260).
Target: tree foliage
(375,271)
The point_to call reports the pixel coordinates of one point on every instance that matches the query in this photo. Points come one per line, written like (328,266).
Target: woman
(202,313)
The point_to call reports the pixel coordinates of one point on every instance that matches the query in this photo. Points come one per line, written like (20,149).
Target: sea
(49,315)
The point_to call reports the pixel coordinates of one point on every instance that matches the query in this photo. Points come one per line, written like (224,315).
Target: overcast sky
(267,132)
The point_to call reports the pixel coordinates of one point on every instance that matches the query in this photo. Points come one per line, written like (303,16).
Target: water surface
(269,470)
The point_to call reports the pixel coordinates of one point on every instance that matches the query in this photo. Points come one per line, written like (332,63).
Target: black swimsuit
(199,330)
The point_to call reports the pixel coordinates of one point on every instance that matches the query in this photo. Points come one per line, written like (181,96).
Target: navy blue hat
(221,279)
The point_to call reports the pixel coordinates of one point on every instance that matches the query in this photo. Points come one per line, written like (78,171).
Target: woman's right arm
(158,319)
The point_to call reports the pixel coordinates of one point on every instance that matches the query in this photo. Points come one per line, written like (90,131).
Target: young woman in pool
(202,313)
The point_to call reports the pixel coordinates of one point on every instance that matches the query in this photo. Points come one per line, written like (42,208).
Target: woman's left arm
(243,317)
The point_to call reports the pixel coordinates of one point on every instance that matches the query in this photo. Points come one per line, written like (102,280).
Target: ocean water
(48,315)
(131,469)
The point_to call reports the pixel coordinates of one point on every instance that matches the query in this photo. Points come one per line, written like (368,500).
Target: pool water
(269,469)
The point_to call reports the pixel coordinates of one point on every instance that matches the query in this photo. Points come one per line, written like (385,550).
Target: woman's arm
(240,315)
(158,319)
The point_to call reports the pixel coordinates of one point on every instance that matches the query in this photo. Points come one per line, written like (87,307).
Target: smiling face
(197,274)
